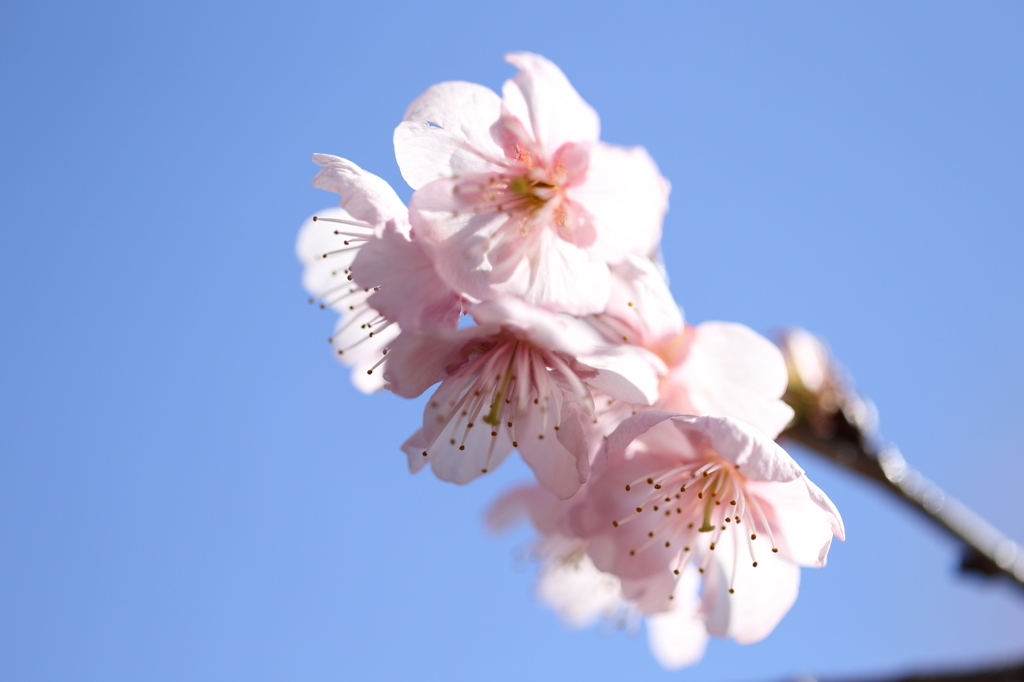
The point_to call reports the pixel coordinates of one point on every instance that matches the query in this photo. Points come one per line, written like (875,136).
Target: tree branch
(830,420)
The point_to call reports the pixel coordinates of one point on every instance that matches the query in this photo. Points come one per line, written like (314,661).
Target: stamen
(353,223)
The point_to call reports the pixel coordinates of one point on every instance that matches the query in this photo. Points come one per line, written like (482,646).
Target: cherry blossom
(360,337)
(521,379)
(361,261)
(517,195)
(714,493)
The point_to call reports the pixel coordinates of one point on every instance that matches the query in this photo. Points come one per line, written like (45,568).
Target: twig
(830,421)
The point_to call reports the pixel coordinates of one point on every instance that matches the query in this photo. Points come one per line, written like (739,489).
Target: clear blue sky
(191,490)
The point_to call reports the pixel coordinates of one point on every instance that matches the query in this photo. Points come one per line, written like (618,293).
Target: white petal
(446,132)
(570,585)
(678,638)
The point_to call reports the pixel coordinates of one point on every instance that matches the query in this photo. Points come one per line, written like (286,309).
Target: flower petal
(410,292)
(803,520)
(763,595)
(557,468)
(761,458)
(364,195)
(678,638)
(732,371)
(541,97)
(446,132)
(627,373)
(626,197)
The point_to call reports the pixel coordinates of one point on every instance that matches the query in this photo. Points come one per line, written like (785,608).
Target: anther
(615,524)
(775,549)
(462,447)
(424,453)
(753,536)
(732,591)
(639,509)
(651,534)
(667,544)
(755,564)
(627,488)
(632,552)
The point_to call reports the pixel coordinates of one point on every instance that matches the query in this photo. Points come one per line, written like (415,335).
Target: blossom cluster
(523,280)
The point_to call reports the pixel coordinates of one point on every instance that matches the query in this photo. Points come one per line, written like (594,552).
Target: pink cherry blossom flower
(360,260)
(714,493)
(520,379)
(360,336)
(517,195)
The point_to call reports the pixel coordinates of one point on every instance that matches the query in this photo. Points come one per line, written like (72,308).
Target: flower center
(697,504)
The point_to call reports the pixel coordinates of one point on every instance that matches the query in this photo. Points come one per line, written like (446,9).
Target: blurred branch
(1004,672)
(834,421)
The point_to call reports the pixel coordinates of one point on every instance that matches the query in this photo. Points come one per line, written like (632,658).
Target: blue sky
(190,488)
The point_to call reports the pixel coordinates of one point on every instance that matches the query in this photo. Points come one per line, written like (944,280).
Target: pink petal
(626,198)
(413,449)
(410,292)
(803,520)
(760,458)
(364,195)
(557,468)
(459,140)
(762,596)
(474,452)
(641,300)
(541,96)
(732,371)
(627,373)
(420,358)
